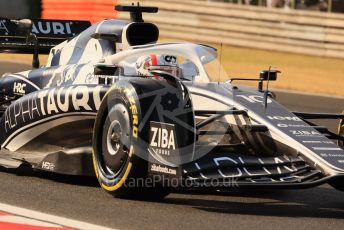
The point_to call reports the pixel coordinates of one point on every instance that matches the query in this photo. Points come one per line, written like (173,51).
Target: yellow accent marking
(94,164)
(120,183)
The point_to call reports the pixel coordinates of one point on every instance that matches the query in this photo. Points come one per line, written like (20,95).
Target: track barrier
(303,32)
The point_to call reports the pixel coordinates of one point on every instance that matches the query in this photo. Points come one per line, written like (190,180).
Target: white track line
(50,218)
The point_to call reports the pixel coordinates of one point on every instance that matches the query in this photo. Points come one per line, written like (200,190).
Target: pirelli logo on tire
(134,112)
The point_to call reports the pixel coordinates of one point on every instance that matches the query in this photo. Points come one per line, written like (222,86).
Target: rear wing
(37,35)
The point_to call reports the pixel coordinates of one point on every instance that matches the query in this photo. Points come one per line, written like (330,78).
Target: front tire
(118,168)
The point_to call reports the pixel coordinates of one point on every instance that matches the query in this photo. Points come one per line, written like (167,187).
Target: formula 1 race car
(145,117)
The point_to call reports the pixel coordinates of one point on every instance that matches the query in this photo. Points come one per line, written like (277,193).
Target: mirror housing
(105,73)
(266,75)
(108,70)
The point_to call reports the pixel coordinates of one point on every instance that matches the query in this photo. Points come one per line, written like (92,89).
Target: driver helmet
(151,65)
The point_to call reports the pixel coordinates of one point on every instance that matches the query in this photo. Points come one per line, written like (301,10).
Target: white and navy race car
(145,117)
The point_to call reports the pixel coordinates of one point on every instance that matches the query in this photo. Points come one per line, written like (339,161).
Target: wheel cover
(116,139)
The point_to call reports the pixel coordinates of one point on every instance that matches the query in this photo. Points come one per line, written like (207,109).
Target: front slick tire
(119,170)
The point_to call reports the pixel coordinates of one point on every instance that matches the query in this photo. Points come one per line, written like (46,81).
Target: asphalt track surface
(81,198)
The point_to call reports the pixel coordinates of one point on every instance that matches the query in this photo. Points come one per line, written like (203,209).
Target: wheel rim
(116,139)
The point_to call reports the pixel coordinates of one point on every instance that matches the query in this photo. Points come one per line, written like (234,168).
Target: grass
(26,58)
(299,72)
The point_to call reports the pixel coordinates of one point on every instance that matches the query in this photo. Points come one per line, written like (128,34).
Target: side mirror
(267,75)
(105,73)
(108,70)
(271,75)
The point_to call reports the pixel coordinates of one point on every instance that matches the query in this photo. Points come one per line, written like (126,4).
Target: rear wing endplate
(14,35)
